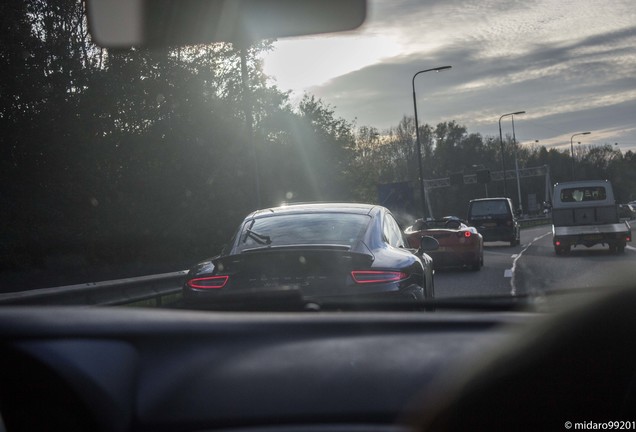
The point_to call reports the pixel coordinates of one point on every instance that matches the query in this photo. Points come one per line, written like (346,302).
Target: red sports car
(459,244)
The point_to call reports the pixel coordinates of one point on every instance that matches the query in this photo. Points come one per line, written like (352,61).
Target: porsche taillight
(209,282)
(377,276)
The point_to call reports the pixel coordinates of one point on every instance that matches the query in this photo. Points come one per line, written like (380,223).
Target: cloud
(569,64)
(592,74)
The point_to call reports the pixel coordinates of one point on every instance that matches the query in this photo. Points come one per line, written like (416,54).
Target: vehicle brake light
(557,243)
(210,282)
(628,238)
(370,276)
(467,234)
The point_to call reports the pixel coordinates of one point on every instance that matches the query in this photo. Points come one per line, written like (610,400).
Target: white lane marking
(630,247)
(513,288)
(492,252)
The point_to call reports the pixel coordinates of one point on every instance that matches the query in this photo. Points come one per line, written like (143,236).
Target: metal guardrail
(150,289)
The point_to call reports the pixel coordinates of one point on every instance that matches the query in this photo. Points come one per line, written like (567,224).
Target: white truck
(585,213)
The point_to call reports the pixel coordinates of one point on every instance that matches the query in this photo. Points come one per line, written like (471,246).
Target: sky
(570,64)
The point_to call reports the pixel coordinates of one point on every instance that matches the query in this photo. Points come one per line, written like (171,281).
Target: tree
(109,154)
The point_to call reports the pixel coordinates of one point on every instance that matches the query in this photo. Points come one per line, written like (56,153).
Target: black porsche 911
(321,254)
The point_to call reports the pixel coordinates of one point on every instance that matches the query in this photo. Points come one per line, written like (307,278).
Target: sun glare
(303,63)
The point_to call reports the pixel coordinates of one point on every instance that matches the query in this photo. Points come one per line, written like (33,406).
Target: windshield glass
(132,163)
(303,229)
(486,208)
(583,194)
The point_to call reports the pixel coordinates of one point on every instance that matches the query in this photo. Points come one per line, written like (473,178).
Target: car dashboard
(571,361)
(121,369)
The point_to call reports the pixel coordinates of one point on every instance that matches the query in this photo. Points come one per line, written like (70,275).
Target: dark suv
(495,219)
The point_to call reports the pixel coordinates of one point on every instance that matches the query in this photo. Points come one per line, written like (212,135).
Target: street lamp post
(417,136)
(572,148)
(514,143)
(503,163)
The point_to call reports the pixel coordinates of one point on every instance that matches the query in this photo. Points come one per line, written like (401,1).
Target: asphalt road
(534,268)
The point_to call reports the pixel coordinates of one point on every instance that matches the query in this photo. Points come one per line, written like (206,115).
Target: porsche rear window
(303,229)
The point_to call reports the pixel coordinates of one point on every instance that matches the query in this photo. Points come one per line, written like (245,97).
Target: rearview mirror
(163,23)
